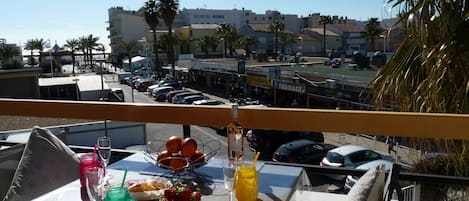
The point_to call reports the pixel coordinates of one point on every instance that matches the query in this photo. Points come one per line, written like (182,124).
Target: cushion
(9,159)
(46,164)
(369,187)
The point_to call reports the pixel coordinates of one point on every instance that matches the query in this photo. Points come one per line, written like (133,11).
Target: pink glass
(87,161)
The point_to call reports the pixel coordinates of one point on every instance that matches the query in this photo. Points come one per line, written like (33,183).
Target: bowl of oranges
(179,154)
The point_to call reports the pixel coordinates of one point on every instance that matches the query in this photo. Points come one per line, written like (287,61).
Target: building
(291,22)
(84,88)
(233,17)
(333,40)
(3,42)
(126,26)
(191,35)
(353,38)
(19,83)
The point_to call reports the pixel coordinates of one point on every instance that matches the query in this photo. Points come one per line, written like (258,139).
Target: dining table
(276,182)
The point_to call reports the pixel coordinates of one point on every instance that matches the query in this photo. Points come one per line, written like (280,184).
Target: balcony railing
(424,125)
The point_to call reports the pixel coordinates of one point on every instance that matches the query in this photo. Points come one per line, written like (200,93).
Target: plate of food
(179,154)
(148,189)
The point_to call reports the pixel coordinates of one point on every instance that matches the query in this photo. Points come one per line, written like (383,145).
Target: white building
(233,17)
(125,25)
(291,22)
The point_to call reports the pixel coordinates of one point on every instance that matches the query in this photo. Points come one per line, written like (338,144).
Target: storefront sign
(255,80)
(287,86)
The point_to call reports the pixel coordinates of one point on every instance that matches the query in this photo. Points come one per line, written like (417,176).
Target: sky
(59,20)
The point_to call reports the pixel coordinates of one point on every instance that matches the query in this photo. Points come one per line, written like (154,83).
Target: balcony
(420,125)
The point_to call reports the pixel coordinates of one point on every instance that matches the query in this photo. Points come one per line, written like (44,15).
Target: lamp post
(76,87)
(50,58)
(301,38)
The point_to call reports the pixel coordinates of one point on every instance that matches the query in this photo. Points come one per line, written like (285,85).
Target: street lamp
(301,38)
(50,58)
(76,87)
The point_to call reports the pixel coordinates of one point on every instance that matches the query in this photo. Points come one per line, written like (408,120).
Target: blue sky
(59,20)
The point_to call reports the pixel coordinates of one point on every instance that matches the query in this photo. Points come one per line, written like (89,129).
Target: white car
(351,156)
(351,180)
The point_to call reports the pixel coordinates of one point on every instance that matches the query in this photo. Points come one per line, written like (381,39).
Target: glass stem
(231,195)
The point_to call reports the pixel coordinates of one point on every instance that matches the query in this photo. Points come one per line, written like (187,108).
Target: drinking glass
(118,194)
(246,183)
(87,161)
(94,183)
(104,151)
(229,168)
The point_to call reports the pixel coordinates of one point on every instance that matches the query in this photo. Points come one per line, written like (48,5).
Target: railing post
(186,130)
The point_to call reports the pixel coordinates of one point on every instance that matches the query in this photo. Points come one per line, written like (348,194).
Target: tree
(429,72)
(8,54)
(93,44)
(129,48)
(83,46)
(247,43)
(222,31)
(276,28)
(373,30)
(39,44)
(164,42)
(232,39)
(324,20)
(72,45)
(208,42)
(30,46)
(151,15)
(285,39)
(168,10)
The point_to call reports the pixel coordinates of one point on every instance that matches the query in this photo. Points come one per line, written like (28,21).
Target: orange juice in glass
(246,183)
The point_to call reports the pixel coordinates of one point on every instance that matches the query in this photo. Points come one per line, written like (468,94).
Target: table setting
(170,172)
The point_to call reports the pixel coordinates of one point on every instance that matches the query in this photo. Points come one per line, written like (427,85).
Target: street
(158,132)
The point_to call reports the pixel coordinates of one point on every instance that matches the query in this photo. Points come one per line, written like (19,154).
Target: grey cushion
(9,159)
(369,187)
(47,163)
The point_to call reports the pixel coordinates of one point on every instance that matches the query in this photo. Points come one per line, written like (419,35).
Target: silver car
(351,180)
(351,156)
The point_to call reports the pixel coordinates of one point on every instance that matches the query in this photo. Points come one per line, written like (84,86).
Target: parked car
(180,96)
(351,180)
(208,102)
(302,151)
(268,141)
(351,156)
(143,84)
(122,76)
(170,95)
(119,93)
(160,93)
(191,99)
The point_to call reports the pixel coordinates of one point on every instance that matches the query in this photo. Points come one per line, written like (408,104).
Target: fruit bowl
(190,155)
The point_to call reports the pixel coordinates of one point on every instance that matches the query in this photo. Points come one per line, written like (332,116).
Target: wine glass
(104,152)
(94,183)
(229,168)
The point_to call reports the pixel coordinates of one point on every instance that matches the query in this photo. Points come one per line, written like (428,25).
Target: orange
(178,164)
(189,146)
(198,157)
(174,144)
(161,157)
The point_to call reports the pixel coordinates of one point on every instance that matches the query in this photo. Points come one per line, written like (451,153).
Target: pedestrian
(391,143)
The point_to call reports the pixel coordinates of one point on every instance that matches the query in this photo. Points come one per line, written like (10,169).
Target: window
(255,18)
(283,18)
(335,157)
(270,18)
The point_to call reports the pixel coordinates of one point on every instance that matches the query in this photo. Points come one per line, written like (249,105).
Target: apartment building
(125,25)
(291,22)
(235,17)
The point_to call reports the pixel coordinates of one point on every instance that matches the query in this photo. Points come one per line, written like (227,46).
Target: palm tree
(151,15)
(285,39)
(164,42)
(168,10)
(324,20)
(92,45)
(208,42)
(8,52)
(429,73)
(222,31)
(129,48)
(40,44)
(276,28)
(83,46)
(29,45)
(232,39)
(373,30)
(248,42)
(102,49)
(72,45)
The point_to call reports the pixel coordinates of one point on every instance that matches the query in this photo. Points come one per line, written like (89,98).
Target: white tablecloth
(275,182)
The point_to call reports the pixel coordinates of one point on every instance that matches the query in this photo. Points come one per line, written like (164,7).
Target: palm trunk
(32,58)
(170,51)
(275,46)
(324,40)
(73,64)
(156,62)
